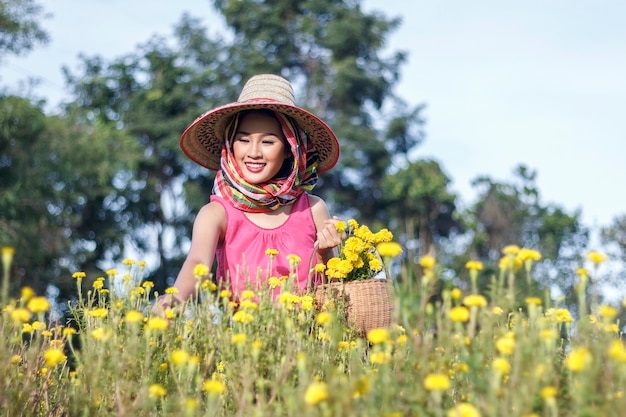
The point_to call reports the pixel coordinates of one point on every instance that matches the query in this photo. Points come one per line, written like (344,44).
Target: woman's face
(259,147)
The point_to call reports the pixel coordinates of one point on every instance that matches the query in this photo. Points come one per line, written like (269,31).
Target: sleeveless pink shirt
(241,260)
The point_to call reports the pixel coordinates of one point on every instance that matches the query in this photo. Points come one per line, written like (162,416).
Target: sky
(540,83)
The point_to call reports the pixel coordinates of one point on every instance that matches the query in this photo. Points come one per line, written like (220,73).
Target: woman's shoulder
(213,213)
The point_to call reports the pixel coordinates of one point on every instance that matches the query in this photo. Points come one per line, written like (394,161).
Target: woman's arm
(327,236)
(208,228)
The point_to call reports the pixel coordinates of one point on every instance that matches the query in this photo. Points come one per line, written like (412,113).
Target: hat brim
(202,141)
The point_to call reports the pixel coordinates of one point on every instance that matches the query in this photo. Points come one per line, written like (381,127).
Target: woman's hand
(164,302)
(329,237)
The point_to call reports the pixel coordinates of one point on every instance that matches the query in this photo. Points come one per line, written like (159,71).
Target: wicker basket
(368,304)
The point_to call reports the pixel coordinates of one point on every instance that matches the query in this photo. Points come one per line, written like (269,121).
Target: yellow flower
(98,312)
(156,391)
(474,265)
(134,316)
(378,336)
(7,256)
(548,392)
(511,250)
(53,357)
(247,304)
(436,382)
(456,293)
(607,311)
(463,410)
(294,259)
(341,226)
(501,365)
(111,272)
(147,284)
(271,252)
(320,267)
(242,317)
(427,262)
(596,257)
(225,294)
(26,293)
(459,314)
(179,357)
(389,249)
(100,334)
(475,300)
(239,338)
(200,270)
(38,305)
(379,358)
(21,315)
(98,284)
(69,331)
(506,344)
(213,386)
(37,325)
(617,351)
(316,393)
(79,275)
(535,301)
(529,254)
(171,290)
(16,359)
(156,323)
(578,359)
(559,315)
(273,282)
(247,294)
(323,318)
(128,262)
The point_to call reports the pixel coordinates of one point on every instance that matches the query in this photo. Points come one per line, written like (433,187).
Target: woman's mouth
(255,166)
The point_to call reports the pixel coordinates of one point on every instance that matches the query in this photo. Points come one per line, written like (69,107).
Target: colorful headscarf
(279,191)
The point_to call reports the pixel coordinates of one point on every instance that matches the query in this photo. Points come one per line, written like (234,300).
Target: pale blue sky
(536,82)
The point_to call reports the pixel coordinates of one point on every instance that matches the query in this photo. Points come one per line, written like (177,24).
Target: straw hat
(202,141)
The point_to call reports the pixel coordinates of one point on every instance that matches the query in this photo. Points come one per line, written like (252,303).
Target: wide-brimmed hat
(203,140)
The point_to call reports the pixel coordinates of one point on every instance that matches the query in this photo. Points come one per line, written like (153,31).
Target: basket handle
(309,283)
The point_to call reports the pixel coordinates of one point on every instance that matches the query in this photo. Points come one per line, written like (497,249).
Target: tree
(20,30)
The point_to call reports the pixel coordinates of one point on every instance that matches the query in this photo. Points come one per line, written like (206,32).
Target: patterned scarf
(279,191)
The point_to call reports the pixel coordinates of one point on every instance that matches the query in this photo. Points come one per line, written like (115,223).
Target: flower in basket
(358,257)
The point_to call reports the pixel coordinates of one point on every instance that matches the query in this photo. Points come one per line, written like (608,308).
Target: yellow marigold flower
(200,270)
(242,317)
(239,338)
(27,328)
(247,294)
(320,267)
(171,290)
(21,315)
(389,249)
(323,318)
(475,300)
(341,226)
(16,359)
(98,312)
(316,393)
(7,255)
(559,315)
(156,391)
(596,257)
(111,272)
(43,371)
(548,334)
(46,333)
(169,313)
(295,259)
(459,314)
(69,331)
(474,265)
(353,224)
(506,344)
(54,357)
(141,264)
(248,304)
(38,305)
(147,284)
(98,284)
(343,346)
(501,365)
(463,410)
(209,284)
(100,334)
(273,282)
(548,392)
(257,344)
(128,262)
(379,358)
(617,351)
(535,301)
(214,386)
(378,336)
(578,359)
(271,252)
(497,311)
(582,272)
(179,357)
(511,250)
(156,323)
(461,367)
(79,275)
(436,382)
(427,262)
(607,311)
(225,294)
(529,254)
(402,339)
(38,325)
(26,293)
(456,293)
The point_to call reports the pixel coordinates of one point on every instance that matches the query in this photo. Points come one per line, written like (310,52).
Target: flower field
(465,355)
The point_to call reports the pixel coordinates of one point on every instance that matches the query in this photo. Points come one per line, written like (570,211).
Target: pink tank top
(241,260)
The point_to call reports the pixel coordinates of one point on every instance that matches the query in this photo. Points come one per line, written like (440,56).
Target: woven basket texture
(368,304)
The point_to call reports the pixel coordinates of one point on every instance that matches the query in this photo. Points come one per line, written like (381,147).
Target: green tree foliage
(62,192)
(20,29)
(513,214)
